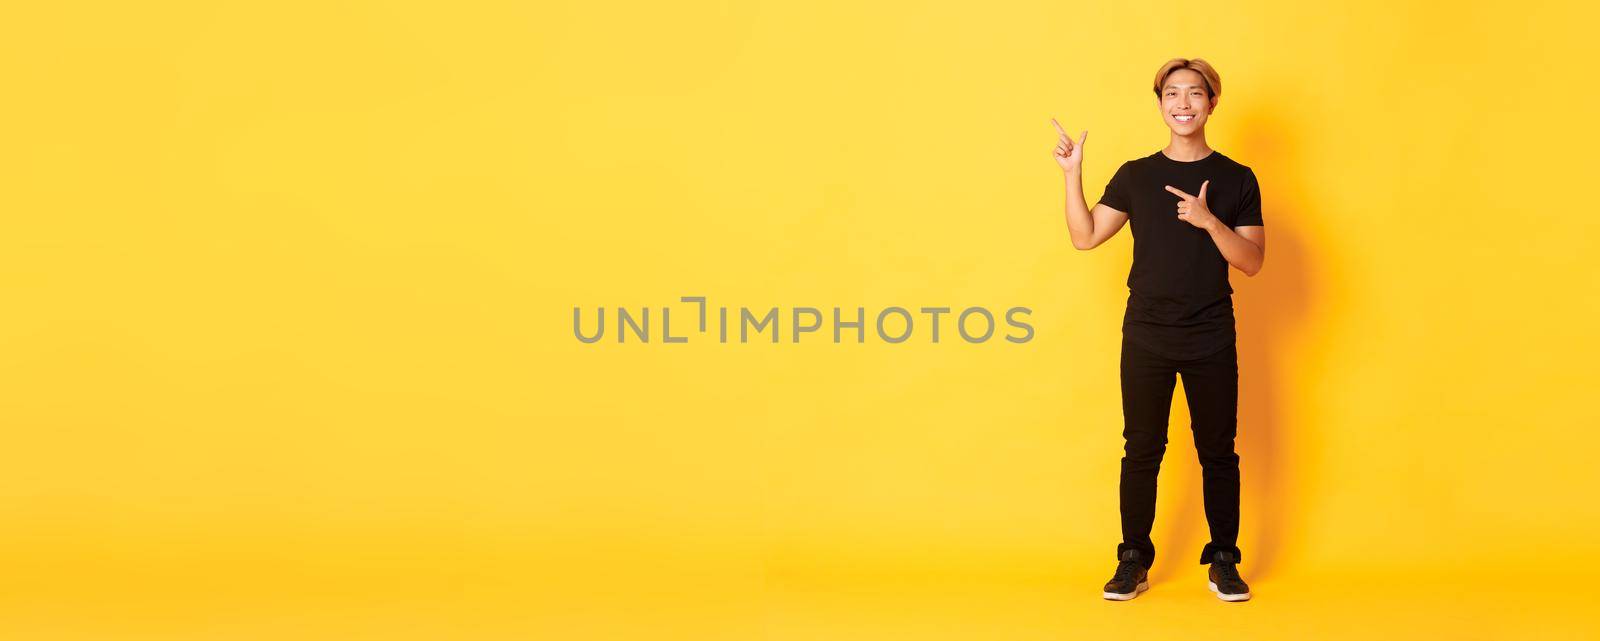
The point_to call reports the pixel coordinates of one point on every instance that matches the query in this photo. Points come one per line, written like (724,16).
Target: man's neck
(1188,148)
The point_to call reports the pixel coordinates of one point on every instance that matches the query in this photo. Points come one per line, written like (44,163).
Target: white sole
(1226,597)
(1137,590)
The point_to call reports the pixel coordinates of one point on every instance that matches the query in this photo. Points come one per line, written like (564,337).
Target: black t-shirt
(1180,304)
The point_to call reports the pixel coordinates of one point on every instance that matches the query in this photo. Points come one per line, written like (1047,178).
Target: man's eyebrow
(1181,86)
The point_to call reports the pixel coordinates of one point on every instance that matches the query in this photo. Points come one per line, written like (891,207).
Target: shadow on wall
(1269,312)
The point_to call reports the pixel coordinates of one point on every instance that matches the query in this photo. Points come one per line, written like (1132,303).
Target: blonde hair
(1207,73)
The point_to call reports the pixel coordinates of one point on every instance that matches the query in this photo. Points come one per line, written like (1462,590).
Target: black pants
(1211,385)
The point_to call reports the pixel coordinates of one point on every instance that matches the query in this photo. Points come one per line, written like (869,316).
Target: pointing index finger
(1179,192)
(1063,132)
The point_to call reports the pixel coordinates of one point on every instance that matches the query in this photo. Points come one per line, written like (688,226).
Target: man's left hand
(1193,209)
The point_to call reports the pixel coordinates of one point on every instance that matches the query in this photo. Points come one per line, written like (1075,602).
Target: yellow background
(289,287)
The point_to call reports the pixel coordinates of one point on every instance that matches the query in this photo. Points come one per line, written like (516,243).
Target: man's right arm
(1089,228)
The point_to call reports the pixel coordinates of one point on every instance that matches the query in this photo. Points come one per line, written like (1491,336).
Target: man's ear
(1213,104)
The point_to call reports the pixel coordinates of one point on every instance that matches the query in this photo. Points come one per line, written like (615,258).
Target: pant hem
(1213,548)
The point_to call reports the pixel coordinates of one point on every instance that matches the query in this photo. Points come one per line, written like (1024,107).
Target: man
(1194,213)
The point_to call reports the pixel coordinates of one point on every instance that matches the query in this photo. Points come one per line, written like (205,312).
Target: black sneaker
(1131,578)
(1225,579)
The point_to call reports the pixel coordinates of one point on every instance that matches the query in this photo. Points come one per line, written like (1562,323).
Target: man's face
(1184,105)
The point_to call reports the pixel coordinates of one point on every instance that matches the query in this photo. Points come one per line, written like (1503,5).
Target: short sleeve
(1249,202)
(1117,194)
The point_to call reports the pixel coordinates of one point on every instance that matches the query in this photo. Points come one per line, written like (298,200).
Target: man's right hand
(1068,154)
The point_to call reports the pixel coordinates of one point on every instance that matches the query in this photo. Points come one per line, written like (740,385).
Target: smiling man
(1194,213)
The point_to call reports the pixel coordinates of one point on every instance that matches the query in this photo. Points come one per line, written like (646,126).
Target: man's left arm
(1244,247)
